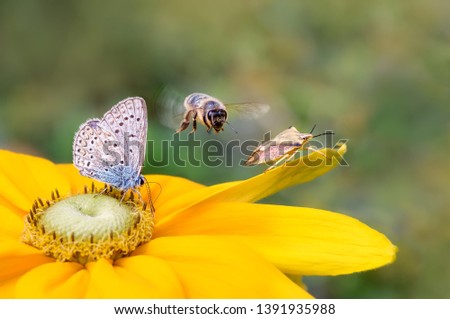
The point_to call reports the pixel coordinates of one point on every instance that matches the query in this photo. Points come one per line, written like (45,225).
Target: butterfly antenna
(150,201)
(312,130)
(231,127)
(160,190)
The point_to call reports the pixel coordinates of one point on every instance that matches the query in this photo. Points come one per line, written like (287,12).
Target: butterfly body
(122,177)
(111,149)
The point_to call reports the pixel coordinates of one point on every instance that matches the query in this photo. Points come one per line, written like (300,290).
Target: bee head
(217,119)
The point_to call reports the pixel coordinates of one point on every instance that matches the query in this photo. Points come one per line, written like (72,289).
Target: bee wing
(168,105)
(247,110)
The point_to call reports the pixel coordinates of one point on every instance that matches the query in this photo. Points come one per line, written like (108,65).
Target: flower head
(205,242)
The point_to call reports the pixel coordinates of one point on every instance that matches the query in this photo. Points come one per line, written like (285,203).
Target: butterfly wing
(116,141)
(89,154)
(127,122)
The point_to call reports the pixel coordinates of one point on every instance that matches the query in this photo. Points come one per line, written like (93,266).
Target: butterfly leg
(185,122)
(103,191)
(123,196)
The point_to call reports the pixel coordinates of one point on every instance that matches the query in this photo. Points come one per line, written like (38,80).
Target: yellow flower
(207,242)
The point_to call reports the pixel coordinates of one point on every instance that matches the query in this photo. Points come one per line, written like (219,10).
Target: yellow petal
(297,240)
(158,277)
(262,185)
(210,267)
(11,224)
(167,188)
(17,258)
(53,280)
(128,279)
(8,288)
(23,178)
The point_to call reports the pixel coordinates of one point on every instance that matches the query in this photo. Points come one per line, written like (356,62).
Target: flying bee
(208,110)
(282,147)
(212,113)
(204,109)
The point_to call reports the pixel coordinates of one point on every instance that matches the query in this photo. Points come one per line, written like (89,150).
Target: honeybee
(282,147)
(204,109)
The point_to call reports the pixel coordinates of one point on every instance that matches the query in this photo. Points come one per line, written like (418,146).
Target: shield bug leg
(285,157)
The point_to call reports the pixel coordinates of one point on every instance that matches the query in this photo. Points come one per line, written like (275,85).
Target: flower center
(89,226)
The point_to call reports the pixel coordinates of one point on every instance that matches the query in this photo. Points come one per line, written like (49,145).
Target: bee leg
(208,128)
(194,123)
(185,122)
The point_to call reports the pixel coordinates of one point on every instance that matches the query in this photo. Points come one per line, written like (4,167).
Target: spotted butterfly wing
(112,149)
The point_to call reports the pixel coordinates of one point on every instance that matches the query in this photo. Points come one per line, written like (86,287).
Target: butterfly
(112,149)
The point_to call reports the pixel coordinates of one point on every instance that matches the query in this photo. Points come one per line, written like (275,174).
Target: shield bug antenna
(324,133)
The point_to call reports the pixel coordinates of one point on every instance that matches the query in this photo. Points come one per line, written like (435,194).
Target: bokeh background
(375,72)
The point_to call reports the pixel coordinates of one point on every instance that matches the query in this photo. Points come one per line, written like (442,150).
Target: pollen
(86,227)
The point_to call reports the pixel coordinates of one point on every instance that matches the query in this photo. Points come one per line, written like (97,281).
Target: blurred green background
(375,72)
